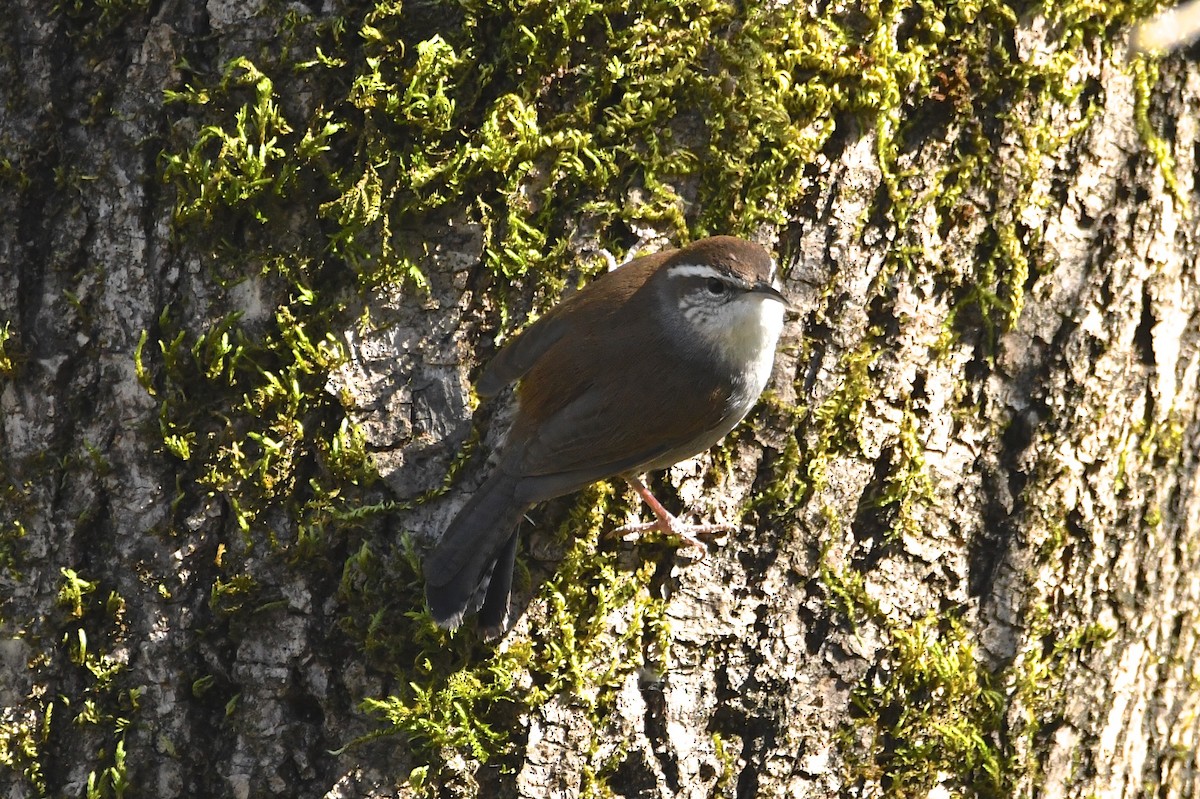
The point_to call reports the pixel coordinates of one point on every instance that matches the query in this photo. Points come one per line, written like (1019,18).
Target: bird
(647,365)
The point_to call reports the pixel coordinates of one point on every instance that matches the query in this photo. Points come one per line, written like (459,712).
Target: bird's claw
(675,528)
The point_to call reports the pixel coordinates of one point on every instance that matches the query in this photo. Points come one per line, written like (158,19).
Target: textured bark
(1049,534)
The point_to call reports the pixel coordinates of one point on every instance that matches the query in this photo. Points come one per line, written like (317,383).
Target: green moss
(279,441)
(91,701)
(8,362)
(11,535)
(17,511)
(931,715)
(787,488)
(907,486)
(1161,440)
(845,587)
(243,163)
(11,175)
(230,596)
(450,713)
(1145,74)
(73,592)
(112,781)
(21,741)
(92,21)
(930,712)
(836,423)
(1035,680)
(1057,535)
(547,119)
(727,757)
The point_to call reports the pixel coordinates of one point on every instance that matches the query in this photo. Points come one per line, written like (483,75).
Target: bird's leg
(666,523)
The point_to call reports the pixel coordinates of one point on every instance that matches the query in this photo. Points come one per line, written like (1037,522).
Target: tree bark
(251,256)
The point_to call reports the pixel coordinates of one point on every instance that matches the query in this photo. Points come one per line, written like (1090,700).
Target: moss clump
(245,163)
(1036,681)
(440,713)
(93,21)
(929,714)
(21,742)
(279,442)
(907,491)
(8,361)
(837,421)
(10,543)
(459,695)
(1145,74)
(93,702)
(931,711)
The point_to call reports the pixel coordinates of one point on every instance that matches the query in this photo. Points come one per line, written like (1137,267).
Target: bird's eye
(715,287)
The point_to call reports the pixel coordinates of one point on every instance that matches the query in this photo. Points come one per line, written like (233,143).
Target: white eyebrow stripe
(697,270)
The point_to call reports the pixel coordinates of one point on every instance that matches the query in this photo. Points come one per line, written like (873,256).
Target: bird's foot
(675,528)
(668,524)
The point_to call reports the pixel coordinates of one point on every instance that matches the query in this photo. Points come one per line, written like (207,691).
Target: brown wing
(587,309)
(512,362)
(608,403)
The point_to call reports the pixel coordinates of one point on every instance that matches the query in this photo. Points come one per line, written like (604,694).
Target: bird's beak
(772,291)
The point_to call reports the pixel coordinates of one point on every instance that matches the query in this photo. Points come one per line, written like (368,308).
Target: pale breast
(756,331)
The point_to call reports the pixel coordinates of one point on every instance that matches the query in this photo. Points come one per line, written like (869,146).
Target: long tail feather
(493,612)
(462,565)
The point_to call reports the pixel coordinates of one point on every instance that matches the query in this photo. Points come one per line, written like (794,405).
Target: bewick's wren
(646,366)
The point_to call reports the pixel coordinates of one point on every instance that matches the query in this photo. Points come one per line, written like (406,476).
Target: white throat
(742,332)
(751,339)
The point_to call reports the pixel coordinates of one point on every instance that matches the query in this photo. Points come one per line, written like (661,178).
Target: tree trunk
(251,256)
